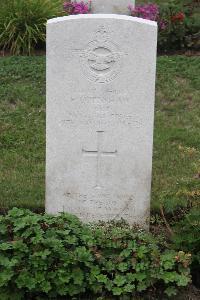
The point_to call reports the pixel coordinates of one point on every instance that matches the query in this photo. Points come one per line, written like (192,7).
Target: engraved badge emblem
(101,60)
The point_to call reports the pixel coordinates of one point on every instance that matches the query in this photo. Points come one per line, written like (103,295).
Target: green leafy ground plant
(54,256)
(187,237)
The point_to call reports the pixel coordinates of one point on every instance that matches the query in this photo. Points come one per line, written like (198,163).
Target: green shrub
(23,23)
(182,28)
(52,256)
(174,34)
(43,254)
(132,261)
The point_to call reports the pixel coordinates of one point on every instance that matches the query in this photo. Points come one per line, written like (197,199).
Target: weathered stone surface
(111,6)
(100,111)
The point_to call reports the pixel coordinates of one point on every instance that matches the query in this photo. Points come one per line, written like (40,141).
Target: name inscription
(104,110)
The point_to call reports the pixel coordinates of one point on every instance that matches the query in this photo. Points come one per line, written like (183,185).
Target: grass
(22,128)
(176,160)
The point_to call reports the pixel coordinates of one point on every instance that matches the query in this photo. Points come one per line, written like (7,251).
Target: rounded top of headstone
(102,16)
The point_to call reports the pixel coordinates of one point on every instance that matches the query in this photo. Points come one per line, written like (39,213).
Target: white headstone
(111,6)
(100,111)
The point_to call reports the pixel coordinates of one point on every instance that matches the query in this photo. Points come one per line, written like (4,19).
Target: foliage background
(23,24)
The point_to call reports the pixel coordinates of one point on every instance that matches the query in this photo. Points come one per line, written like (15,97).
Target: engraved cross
(99,153)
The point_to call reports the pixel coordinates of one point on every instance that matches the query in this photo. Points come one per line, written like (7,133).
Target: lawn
(176,160)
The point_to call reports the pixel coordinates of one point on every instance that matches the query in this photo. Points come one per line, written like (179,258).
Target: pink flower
(145,11)
(80,8)
(75,8)
(149,12)
(162,24)
(68,7)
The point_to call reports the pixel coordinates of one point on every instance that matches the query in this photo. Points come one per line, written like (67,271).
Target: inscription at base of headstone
(100,111)
(111,7)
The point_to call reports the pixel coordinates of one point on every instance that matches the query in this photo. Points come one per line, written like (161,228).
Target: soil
(191,293)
